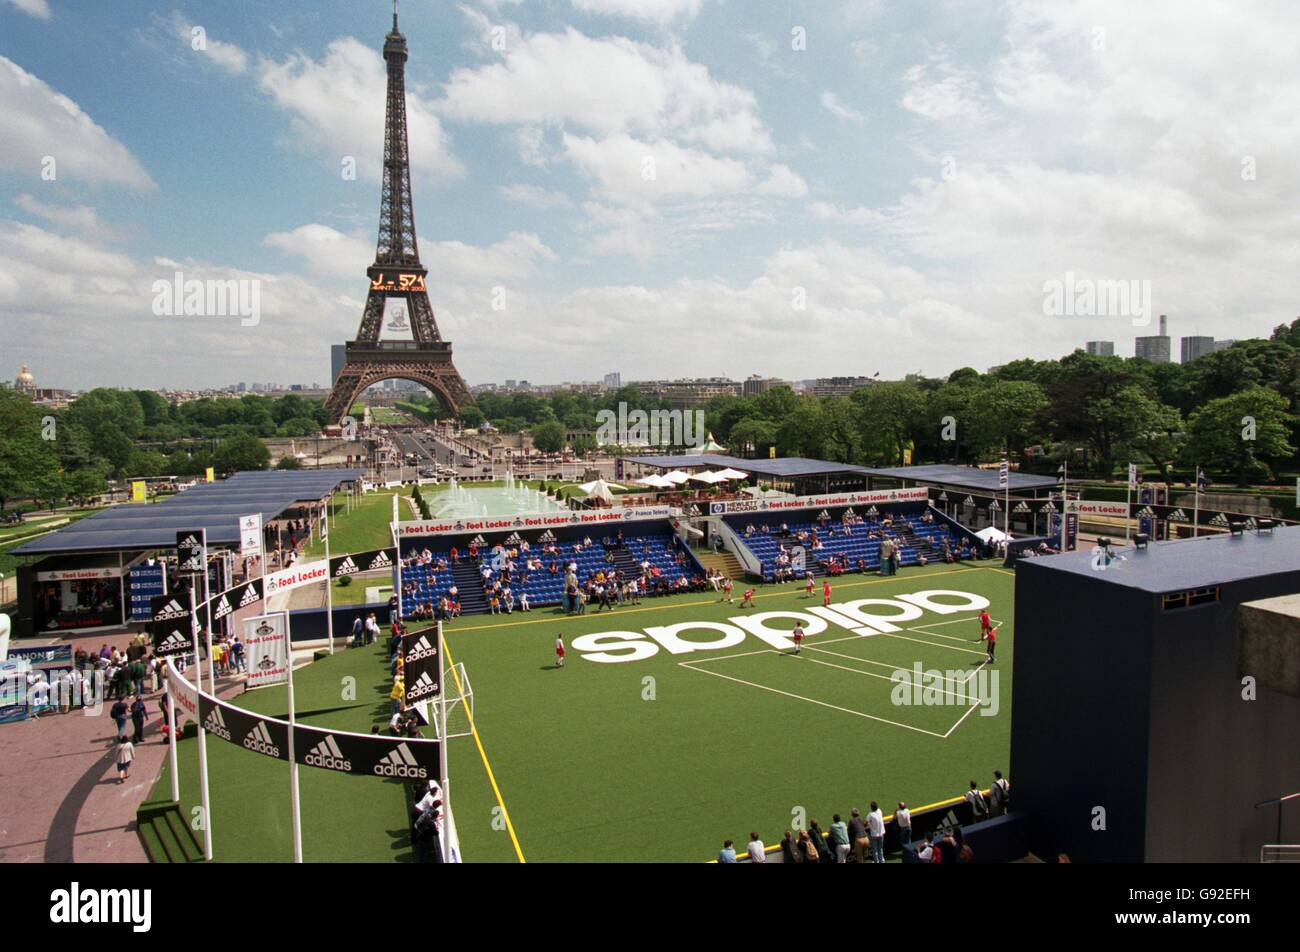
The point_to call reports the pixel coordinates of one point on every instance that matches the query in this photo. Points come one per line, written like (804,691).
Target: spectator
(118,712)
(903,817)
(840,839)
(926,854)
(789,853)
(728,852)
(858,836)
(876,832)
(824,854)
(755,849)
(979,809)
(125,754)
(137,719)
(999,795)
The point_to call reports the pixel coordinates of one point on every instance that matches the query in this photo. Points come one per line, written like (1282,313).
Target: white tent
(655,481)
(991,534)
(599,489)
(676,477)
(709,477)
(730,473)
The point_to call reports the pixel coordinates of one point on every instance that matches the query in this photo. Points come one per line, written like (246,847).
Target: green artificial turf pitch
(664,758)
(653,760)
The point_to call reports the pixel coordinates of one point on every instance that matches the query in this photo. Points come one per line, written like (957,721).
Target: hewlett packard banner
(372,561)
(540,520)
(365,755)
(421,667)
(258,733)
(266,647)
(876,497)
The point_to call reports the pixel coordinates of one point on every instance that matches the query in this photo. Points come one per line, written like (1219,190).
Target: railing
(1280,853)
(733,544)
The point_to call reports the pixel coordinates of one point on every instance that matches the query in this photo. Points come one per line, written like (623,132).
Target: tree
(752,436)
(288,462)
(888,415)
(27,459)
(241,452)
(1003,414)
(548,437)
(1238,433)
(472,417)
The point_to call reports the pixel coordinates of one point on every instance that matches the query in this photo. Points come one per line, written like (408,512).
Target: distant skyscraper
(1100,348)
(1194,348)
(755,385)
(613,380)
(338,354)
(1156,348)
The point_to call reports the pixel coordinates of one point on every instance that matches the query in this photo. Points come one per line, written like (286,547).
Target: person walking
(358,627)
(138,712)
(999,795)
(118,712)
(797,637)
(559,651)
(125,754)
(979,808)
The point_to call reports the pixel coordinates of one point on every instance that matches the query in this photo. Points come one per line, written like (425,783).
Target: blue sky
(912,174)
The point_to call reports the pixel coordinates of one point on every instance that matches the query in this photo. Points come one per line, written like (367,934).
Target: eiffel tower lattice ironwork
(425,358)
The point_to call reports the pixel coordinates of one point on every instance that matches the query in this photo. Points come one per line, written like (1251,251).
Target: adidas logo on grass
(400,763)
(216,724)
(421,688)
(420,650)
(327,754)
(259,739)
(173,609)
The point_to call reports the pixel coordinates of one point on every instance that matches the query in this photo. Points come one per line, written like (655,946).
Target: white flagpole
(445,839)
(1128,503)
(1065,496)
(203,737)
(329,597)
(212,669)
(1196,517)
(171,737)
(295,806)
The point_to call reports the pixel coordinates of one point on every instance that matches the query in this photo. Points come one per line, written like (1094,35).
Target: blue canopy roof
(216,507)
(786,466)
(967,477)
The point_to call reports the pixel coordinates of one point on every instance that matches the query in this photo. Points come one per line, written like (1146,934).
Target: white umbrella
(676,477)
(655,481)
(730,473)
(709,477)
(600,489)
(991,534)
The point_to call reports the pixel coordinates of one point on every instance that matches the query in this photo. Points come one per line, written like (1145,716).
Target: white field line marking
(747,654)
(871,674)
(934,644)
(799,697)
(968,713)
(892,667)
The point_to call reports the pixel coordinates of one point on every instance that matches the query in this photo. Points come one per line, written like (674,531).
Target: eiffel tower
(397,275)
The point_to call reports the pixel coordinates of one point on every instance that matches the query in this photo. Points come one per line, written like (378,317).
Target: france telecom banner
(266,647)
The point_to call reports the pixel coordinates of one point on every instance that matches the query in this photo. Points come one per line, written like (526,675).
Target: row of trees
(1232,412)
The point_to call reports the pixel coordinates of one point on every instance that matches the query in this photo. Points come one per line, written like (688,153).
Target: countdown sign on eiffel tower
(398,337)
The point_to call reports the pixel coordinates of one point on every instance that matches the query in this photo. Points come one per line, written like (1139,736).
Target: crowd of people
(861,839)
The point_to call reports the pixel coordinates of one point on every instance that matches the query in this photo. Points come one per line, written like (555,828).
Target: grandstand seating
(915,536)
(542,586)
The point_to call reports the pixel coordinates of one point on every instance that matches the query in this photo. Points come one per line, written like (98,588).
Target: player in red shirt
(808,587)
(797,636)
(991,636)
(826,593)
(559,651)
(726,590)
(985,623)
(747,600)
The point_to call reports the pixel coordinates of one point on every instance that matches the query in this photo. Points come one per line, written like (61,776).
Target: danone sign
(861,616)
(538,520)
(876,497)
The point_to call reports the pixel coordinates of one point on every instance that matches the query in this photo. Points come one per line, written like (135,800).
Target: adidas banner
(262,735)
(171,625)
(190,550)
(366,755)
(421,667)
(266,648)
(362,562)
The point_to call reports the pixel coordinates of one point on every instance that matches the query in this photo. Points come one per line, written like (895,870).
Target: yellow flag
(137,490)
(771,452)
(212,476)
(907,456)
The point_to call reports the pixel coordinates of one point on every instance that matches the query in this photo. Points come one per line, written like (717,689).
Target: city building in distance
(1100,348)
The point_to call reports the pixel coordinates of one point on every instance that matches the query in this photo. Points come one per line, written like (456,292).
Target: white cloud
(81,220)
(652,11)
(825,211)
(228,56)
(337,108)
(36,8)
(638,173)
(607,86)
(832,104)
(783,182)
(938,90)
(534,196)
(37,122)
